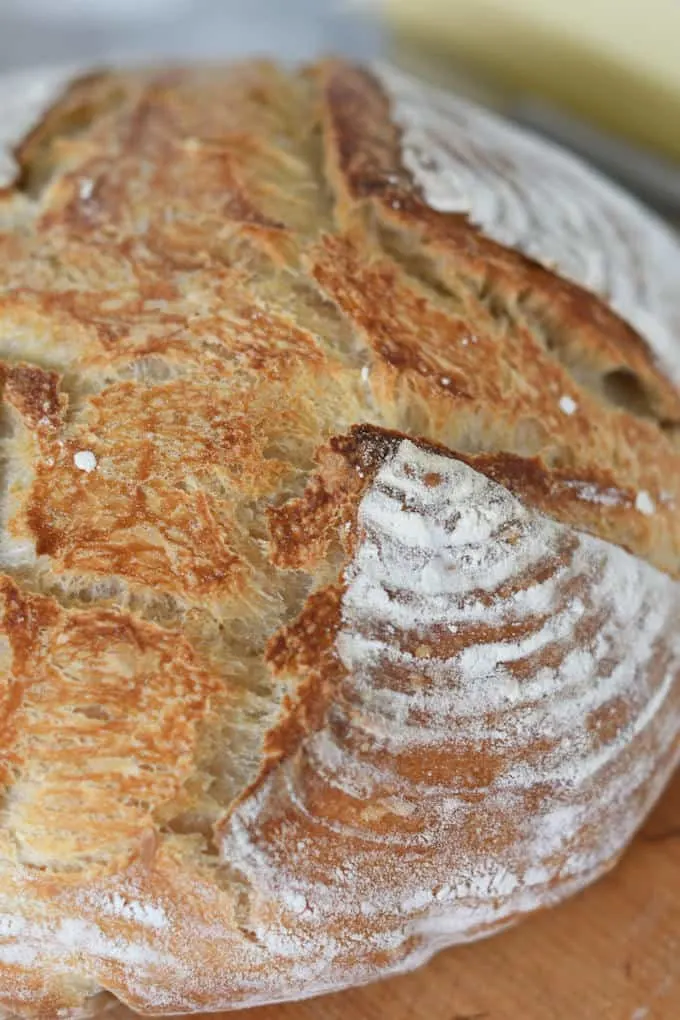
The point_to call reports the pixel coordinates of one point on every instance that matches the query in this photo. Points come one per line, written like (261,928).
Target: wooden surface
(612,953)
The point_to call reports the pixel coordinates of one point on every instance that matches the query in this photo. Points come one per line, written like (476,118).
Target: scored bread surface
(340,550)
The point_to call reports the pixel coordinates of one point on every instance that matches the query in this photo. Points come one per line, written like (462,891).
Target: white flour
(551,632)
(525,193)
(149,915)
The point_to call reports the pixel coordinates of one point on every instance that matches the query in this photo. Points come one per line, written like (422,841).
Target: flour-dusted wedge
(340,546)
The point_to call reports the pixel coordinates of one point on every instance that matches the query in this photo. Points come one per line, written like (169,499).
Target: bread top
(239,317)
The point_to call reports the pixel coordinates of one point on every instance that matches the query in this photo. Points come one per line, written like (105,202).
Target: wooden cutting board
(612,953)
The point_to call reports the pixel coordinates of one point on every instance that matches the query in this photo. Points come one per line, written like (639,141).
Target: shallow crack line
(492,300)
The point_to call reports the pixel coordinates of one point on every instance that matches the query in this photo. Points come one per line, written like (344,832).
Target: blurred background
(600,76)
(55,31)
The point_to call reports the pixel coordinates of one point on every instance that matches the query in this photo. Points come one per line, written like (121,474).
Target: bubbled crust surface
(243,666)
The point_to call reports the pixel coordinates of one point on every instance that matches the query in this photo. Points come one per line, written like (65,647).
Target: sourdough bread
(340,547)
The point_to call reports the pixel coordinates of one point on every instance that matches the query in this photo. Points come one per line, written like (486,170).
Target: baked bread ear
(340,543)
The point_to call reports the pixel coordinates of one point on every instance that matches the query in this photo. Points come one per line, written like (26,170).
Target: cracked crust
(339,554)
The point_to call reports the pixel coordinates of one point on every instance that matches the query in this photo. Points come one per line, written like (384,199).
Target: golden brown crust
(364,162)
(89,687)
(226,311)
(428,368)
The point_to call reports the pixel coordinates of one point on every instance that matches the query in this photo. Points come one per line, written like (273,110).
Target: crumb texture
(339,553)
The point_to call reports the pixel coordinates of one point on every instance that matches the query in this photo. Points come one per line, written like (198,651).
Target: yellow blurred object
(614,63)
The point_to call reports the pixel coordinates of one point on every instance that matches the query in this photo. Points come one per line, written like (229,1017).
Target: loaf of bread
(340,540)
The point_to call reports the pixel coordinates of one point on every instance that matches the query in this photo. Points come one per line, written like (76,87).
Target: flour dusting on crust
(515,658)
(312,737)
(527,194)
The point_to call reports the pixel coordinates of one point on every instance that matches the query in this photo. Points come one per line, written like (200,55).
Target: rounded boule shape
(340,546)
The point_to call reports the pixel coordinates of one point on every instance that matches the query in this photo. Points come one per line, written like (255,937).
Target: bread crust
(339,550)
